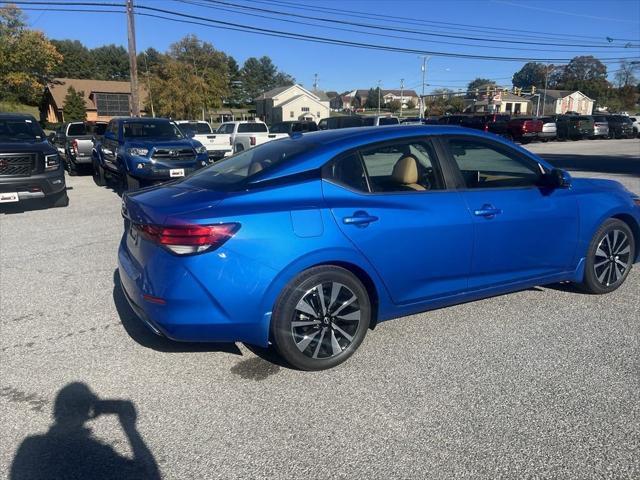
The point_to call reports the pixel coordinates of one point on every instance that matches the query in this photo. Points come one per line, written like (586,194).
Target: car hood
(596,184)
(27,147)
(168,204)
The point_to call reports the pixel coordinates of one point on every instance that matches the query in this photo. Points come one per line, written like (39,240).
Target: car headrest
(405,171)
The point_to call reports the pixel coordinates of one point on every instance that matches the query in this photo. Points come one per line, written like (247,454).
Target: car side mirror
(189,133)
(558,178)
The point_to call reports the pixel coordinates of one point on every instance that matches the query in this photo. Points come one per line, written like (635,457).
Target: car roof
(16,116)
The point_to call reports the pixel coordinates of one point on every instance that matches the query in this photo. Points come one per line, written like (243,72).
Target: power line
(299,22)
(414,21)
(403,30)
(196,20)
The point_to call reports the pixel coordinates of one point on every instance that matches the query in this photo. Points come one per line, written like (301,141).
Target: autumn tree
(479,83)
(27,58)
(531,74)
(192,78)
(625,75)
(74,109)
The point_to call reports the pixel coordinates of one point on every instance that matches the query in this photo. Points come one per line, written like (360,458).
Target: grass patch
(14,107)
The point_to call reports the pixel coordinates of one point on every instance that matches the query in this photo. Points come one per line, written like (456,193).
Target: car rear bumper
(36,186)
(173,301)
(547,135)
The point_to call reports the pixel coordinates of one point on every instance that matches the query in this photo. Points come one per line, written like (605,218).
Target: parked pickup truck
(140,151)
(30,166)
(217,145)
(244,135)
(74,141)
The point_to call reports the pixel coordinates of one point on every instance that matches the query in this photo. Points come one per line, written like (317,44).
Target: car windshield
(99,128)
(228,173)
(164,130)
(76,129)
(389,121)
(20,130)
(200,128)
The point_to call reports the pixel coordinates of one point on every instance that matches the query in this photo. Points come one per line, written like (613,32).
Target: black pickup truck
(30,167)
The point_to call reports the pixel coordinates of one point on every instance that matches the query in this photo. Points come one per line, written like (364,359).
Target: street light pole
(544,97)
(401,95)
(379,96)
(424,76)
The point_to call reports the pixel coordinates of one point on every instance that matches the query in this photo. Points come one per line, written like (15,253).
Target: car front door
(522,230)
(391,200)
(109,146)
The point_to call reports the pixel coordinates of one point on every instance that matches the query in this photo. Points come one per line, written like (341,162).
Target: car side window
(483,165)
(402,166)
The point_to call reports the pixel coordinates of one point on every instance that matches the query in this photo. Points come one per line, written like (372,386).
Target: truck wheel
(98,175)
(72,168)
(58,200)
(133,184)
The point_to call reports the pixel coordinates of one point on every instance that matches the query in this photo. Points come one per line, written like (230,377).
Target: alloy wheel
(326,320)
(612,258)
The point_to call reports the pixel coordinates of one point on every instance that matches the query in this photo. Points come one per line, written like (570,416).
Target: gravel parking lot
(541,383)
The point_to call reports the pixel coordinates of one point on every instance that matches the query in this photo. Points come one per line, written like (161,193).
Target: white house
(563,101)
(292,102)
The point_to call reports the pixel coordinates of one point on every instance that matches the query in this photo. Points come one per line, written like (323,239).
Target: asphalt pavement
(542,383)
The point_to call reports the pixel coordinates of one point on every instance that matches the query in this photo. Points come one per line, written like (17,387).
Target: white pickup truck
(217,145)
(243,135)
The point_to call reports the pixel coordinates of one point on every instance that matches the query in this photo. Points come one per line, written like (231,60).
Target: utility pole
(401,95)
(424,77)
(315,82)
(544,97)
(379,96)
(133,65)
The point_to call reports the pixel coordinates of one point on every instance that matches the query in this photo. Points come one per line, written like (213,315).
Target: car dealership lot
(540,382)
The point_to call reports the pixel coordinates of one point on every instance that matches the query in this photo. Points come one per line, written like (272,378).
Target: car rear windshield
(20,130)
(252,128)
(230,173)
(584,118)
(599,118)
(164,130)
(200,128)
(546,120)
(280,128)
(76,129)
(389,121)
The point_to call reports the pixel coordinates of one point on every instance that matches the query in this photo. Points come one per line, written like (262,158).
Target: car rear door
(391,200)
(522,231)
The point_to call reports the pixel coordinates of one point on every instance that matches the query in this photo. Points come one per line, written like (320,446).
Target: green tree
(260,75)
(586,74)
(480,84)
(192,78)
(112,62)
(411,105)
(74,109)
(394,105)
(27,58)
(77,61)
(531,74)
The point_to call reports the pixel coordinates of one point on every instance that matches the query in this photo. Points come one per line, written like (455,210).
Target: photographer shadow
(69,450)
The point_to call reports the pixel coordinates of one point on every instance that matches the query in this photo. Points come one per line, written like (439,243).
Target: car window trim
(429,139)
(462,184)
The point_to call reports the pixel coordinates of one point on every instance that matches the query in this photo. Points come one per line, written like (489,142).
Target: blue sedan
(307,242)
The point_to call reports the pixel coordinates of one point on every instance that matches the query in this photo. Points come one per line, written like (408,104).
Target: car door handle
(360,219)
(487,211)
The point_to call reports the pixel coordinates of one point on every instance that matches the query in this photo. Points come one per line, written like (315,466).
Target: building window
(112,104)
(305,109)
(317,114)
(508,107)
(291,114)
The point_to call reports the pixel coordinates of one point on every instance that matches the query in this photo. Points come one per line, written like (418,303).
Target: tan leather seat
(405,173)
(254,168)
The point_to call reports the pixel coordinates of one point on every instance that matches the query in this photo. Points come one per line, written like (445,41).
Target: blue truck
(145,151)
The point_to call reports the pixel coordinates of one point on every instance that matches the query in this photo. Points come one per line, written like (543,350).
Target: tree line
(189,78)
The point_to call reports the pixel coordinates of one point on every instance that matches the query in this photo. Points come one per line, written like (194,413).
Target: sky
(584,23)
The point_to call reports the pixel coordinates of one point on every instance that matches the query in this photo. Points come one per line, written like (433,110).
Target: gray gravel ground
(542,383)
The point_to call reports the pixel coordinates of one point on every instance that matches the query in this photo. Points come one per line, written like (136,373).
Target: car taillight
(486,127)
(525,127)
(189,239)
(252,140)
(74,145)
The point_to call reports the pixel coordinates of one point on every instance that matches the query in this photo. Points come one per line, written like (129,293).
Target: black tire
(327,339)
(98,175)
(607,252)
(132,183)
(58,200)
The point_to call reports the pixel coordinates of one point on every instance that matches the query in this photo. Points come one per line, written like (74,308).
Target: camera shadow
(69,450)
